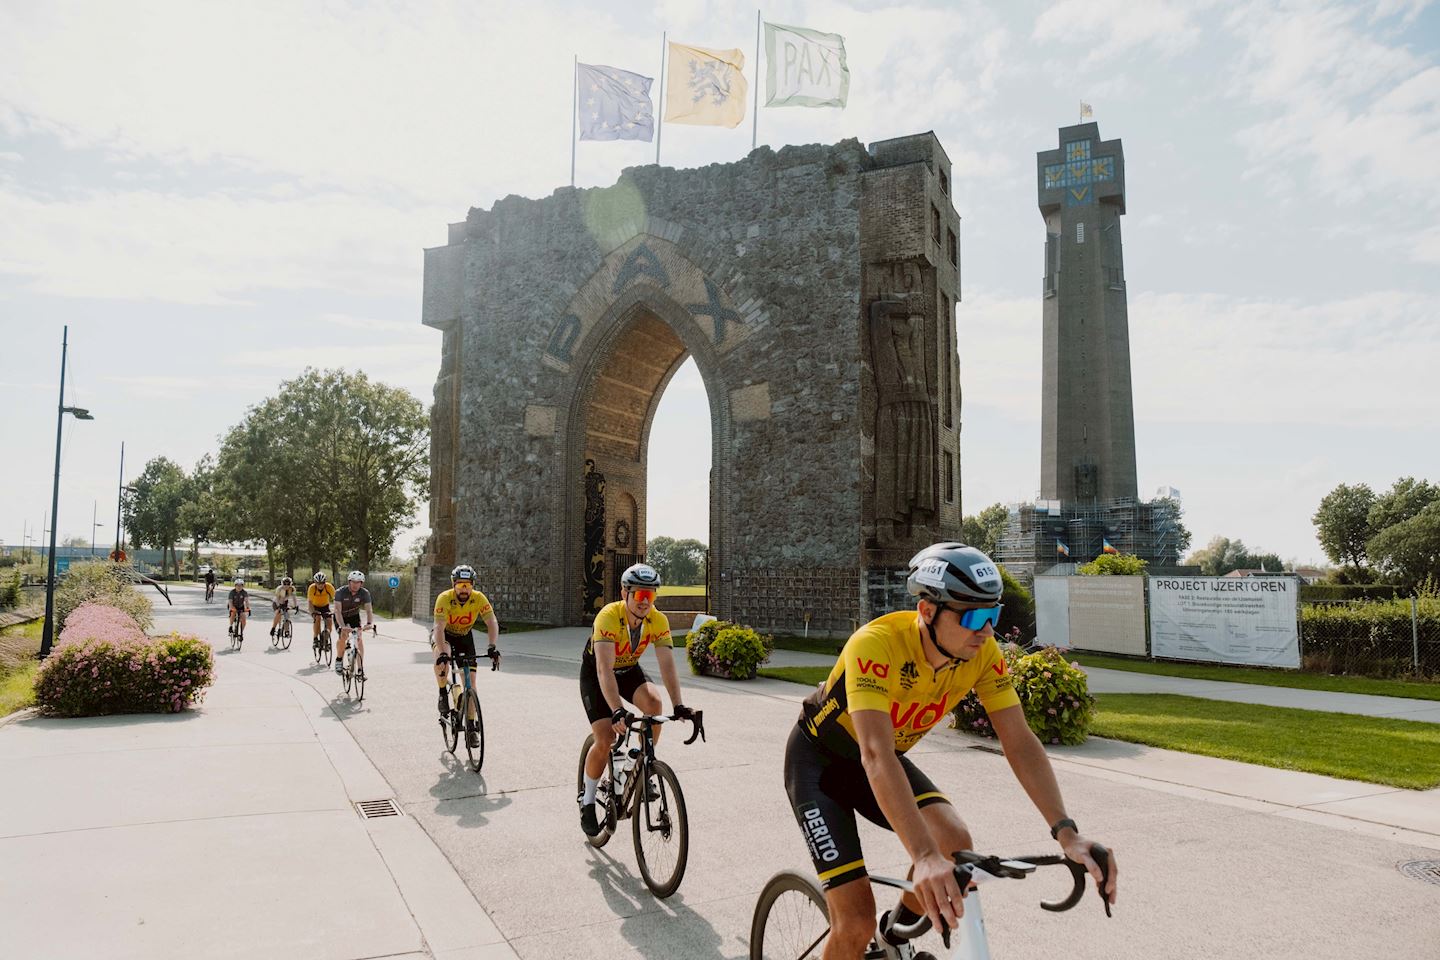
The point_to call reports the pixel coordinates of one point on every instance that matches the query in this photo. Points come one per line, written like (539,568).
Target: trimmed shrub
(722,649)
(1054,694)
(101,582)
(123,673)
(10,592)
(1368,639)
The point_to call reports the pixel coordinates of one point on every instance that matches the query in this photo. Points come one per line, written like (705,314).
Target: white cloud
(10,156)
(1112,27)
(210,249)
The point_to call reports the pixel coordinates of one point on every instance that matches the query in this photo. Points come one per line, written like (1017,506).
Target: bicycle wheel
(661,832)
(474,730)
(286,635)
(329,651)
(347,668)
(605,810)
(450,726)
(359,682)
(791,920)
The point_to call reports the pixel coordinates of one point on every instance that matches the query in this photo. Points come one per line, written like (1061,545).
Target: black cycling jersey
(239,597)
(350,603)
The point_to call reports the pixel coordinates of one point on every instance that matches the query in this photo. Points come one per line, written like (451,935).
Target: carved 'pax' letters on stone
(715,310)
(641,262)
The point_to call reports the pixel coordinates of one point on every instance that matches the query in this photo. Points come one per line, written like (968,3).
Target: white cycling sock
(591,785)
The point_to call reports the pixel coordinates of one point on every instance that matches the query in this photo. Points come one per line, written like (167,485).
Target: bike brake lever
(698,725)
(1102,860)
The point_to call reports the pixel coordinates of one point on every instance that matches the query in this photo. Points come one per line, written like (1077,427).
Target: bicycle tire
(288,635)
(347,669)
(475,754)
(607,826)
(798,928)
(316,649)
(450,728)
(329,651)
(359,682)
(662,819)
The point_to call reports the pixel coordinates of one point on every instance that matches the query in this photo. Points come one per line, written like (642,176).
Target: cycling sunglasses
(640,595)
(975,618)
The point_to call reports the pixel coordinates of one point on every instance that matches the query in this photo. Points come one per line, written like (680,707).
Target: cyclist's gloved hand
(493,652)
(683,712)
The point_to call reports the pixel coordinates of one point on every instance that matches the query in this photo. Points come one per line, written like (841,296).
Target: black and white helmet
(462,572)
(355,576)
(320,579)
(640,575)
(954,573)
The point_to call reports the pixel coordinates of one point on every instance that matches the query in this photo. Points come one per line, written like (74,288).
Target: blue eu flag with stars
(614,104)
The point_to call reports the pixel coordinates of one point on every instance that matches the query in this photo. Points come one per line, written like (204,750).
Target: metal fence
(1394,638)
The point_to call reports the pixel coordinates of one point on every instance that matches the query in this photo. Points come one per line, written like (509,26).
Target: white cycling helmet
(239,582)
(641,575)
(355,577)
(319,578)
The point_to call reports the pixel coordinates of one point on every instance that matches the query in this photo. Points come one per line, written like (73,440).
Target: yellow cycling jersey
(883,667)
(610,627)
(460,618)
(320,594)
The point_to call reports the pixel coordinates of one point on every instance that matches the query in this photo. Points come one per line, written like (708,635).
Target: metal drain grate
(1427,870)
(984,748)
(372,809)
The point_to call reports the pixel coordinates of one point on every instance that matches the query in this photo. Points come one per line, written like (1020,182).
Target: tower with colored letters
(1087,446)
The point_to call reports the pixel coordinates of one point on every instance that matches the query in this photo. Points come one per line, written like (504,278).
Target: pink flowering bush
(99,621)
(1053,693)
(105,665)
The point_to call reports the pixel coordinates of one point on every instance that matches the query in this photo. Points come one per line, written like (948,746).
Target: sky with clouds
(214,196)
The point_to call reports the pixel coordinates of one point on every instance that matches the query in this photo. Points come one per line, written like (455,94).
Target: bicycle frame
(643,758)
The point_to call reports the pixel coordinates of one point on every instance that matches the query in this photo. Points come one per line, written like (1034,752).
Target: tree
(152,508)
(984,530)
(678,562)
(1112,565)
(199,514)
(1342,523)
(1183,536)
(1409,551)
(1401,502)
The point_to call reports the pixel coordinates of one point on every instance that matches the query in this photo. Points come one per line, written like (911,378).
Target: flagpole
(660,117)
(755,127)
(574,114)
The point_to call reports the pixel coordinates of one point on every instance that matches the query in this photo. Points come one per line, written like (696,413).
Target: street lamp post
(94,525)
(47,632)
(119,499)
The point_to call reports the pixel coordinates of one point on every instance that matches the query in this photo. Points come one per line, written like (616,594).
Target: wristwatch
(1061,825)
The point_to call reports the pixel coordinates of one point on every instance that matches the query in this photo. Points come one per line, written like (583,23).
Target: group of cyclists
(896,678)
(320,595)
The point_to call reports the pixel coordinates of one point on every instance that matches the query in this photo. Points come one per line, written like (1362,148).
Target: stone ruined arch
(619,370)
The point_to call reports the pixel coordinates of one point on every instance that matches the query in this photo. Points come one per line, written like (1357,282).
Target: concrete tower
(1087,445)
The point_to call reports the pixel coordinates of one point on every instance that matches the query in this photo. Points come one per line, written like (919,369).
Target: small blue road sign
(394,582)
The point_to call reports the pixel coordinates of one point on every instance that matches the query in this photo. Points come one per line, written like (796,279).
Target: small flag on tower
(1086,111)
(804,68)
(1061,548)
(1106,546)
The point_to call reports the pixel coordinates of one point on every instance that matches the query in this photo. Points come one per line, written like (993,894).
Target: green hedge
(1019,605)
(97,677)
(1054,694)
(1342,592)
(1372,639)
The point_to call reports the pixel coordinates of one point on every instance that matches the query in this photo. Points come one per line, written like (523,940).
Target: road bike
(464,702)
(283,634)
(792,921)
(209,592)
(236,632)
(645,790)
(352,669)
(320,646)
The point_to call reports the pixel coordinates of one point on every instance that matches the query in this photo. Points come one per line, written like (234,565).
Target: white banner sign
(1052,611)
(1107,614)
(1226,619)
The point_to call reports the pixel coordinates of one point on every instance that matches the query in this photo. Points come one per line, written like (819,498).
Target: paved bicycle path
(1206,872)
(225,831)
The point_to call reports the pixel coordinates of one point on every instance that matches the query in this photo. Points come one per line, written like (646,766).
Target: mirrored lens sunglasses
(975,618)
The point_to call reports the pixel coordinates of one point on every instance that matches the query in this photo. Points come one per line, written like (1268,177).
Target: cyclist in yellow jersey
(456,611)
(319,594)
(897,677)
(610,673)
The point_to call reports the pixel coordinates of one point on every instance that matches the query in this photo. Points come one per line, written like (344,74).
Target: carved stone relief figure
(593,583)
(904,418)
(444,443)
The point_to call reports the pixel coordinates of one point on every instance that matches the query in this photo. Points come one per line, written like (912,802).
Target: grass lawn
(18,646)
(1400,753)
(1415,689)
(695,590)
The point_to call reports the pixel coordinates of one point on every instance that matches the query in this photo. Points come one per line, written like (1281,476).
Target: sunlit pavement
(1208,868)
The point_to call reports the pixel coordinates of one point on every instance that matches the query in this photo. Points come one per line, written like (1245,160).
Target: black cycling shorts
(826,791)
(462,644)
(353,620)
(320,611)
(596,708)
